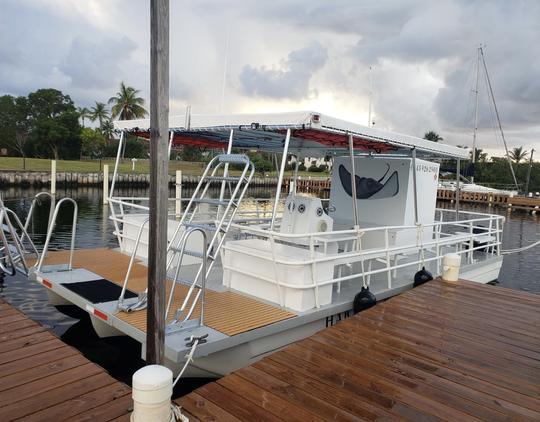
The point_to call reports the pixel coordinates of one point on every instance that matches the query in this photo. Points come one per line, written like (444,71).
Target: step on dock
(43,379)
(455,351)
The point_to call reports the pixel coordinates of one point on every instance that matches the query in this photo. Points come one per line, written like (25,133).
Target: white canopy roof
(312,134)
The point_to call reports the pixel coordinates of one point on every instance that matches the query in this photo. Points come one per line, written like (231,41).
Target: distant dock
(443,351)
(43,379)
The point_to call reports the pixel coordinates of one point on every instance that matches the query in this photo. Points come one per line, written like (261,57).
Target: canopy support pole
(292,186)
(116,164)
(458,191)
(415,186)
(225,171)
(353,183)
(280,179)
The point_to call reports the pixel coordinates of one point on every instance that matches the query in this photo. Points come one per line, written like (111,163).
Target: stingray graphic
(368,188)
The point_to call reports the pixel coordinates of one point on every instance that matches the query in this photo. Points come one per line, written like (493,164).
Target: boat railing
(12,245)
(483,233)
(51,230)
(124,209)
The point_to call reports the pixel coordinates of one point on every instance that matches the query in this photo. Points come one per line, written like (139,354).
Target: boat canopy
(312,134)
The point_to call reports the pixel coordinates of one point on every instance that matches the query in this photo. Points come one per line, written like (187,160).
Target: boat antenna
(225,65)
(370,97)
(498,117)
(473,160)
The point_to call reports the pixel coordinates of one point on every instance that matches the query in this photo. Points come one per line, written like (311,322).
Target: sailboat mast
(473,160)
(498,118)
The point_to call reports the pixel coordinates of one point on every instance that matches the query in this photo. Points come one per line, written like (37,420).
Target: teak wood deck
(227,312)
(443,351)
(43,379)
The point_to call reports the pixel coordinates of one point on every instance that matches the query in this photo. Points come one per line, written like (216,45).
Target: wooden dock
(43,379)
(443,351)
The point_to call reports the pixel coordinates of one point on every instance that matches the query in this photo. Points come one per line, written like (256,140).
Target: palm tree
(84,113)
(107,129)
(126,105)
(99,112)
(517,154)
(480,156)
(432,136)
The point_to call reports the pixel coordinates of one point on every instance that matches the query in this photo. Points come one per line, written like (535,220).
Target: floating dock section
(43,379)
(455,351)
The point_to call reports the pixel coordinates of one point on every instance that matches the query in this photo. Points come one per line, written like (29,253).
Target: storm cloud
(290,79)
(295,54)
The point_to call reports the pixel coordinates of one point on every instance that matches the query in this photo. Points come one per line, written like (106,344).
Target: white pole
(105,184)
(53,177)
(178,208)
(280,179)
(117,162)
(353,183)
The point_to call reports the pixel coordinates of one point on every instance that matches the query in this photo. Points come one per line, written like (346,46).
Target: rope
(420,243)
(177,415)
(189,358)
(524,248)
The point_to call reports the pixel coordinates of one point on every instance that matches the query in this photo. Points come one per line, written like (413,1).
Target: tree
(126,104)
(84,113)
(107,129)
(99,112)
(14,124)
(93,143)
(432,136)
(480,156)
(54,125)
(517,154)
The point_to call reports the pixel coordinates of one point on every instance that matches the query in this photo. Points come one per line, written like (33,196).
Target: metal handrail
(130,266)
(35,201)
(18,242)
(201,274)
(51,228)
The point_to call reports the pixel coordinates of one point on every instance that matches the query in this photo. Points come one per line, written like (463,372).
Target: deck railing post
(105,184)
(53,177)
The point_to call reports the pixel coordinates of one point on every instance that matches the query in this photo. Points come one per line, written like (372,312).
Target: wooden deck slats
(443,351)
(42,379)
(227,312)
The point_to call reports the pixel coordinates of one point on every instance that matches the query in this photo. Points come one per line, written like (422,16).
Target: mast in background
(498,117)
(529,172)
(473,159)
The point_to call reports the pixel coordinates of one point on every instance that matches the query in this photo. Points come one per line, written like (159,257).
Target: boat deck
(227,312)
(43,379)
(443,351)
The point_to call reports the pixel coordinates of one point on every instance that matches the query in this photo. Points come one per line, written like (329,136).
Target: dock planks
(43,379)
(443,351)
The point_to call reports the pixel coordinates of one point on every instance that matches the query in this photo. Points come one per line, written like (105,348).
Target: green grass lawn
(95,166)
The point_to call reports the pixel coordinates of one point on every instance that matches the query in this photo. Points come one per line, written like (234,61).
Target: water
(121,356)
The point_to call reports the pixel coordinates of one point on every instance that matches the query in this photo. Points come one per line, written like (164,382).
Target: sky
(257,56)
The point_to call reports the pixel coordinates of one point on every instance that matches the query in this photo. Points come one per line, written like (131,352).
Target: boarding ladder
(15,243)
(212,225)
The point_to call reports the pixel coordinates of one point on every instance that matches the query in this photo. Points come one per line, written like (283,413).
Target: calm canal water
(121,356)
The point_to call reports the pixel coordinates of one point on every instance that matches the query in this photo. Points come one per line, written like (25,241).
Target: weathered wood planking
(443,351)
(43,379)
(227,312)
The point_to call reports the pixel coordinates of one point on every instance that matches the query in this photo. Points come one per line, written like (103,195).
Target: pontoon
(249,276)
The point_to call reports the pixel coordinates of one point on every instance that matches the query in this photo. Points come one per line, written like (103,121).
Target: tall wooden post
(159,188)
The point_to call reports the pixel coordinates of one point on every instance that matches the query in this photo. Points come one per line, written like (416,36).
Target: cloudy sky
(287,55)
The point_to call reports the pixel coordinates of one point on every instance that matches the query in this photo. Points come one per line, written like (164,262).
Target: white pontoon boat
(248,276)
